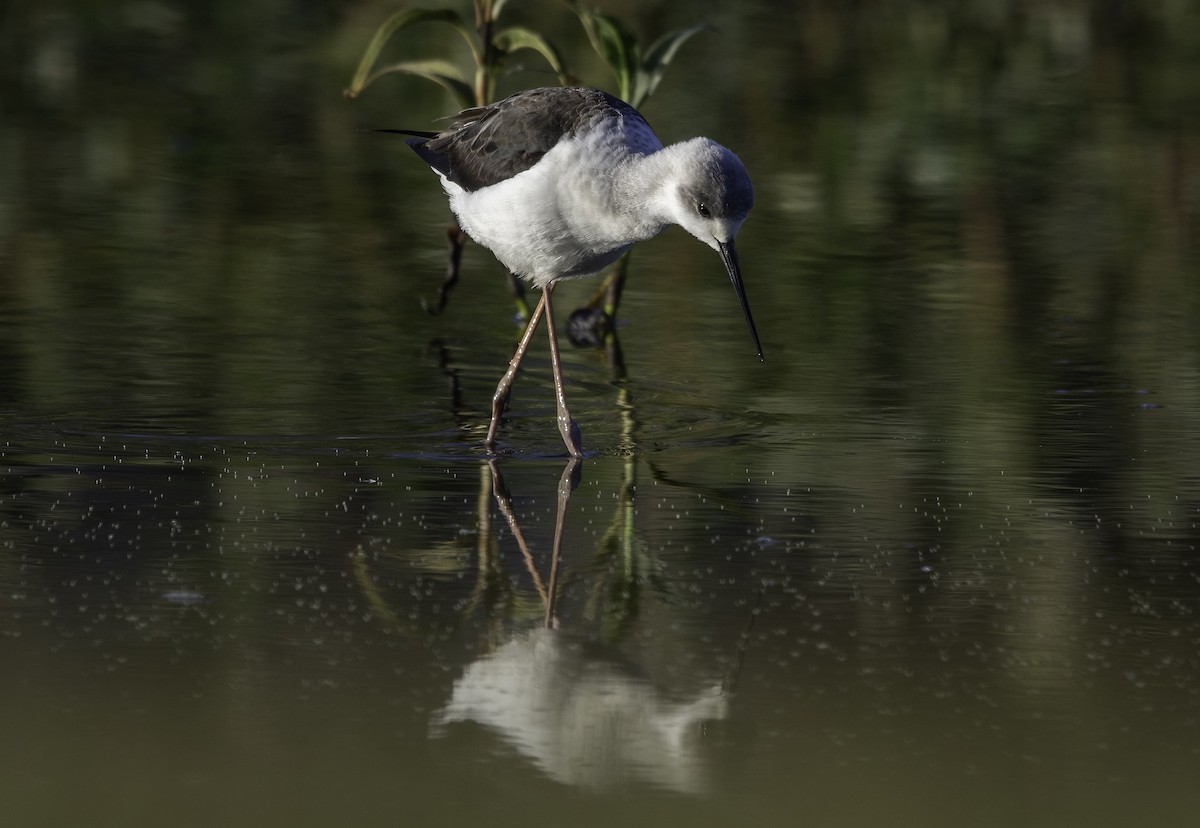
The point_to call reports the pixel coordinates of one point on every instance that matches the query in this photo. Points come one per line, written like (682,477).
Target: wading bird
(559,182)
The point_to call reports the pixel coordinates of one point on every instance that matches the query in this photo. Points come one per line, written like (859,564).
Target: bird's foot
(569,429)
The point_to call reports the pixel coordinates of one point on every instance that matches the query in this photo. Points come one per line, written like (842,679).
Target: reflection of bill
(585,720)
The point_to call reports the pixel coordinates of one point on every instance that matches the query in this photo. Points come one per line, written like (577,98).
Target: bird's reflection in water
(584,718)
(573,707)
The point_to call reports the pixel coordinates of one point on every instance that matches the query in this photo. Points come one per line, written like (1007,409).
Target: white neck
(643,189)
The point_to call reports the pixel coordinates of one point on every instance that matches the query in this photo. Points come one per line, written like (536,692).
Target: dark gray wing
(489,144)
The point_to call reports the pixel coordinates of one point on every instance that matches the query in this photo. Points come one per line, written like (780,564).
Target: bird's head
(712,194)
(711,198)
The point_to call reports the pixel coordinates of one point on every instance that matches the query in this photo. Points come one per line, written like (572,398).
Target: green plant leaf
(613,42)
(516,37)
(658,57)
(399,20)
(441,72)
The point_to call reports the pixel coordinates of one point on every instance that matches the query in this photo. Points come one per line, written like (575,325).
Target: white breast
(562,217)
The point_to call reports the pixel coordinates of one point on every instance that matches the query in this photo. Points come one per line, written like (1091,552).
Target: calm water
(933,562)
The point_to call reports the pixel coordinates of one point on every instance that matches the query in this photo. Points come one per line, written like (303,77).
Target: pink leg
(567,427)
(500,399)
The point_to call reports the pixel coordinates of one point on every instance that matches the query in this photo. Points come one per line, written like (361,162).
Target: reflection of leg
(566,485)
(567,427)
(504,502)
(500,399)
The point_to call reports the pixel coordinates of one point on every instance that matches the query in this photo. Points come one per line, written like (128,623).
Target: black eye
(703,210)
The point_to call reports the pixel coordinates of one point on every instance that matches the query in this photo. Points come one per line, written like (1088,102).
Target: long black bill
(729,256)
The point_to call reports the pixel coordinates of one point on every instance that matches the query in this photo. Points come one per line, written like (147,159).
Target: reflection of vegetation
(495,596)
(620,565)
(614,574)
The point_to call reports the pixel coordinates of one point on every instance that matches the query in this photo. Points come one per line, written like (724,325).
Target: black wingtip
(412,132)
(419,141)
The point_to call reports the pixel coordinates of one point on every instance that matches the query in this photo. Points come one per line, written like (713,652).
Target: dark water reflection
(933,561)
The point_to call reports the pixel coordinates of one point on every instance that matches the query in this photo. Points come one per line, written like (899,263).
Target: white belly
(555,220)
